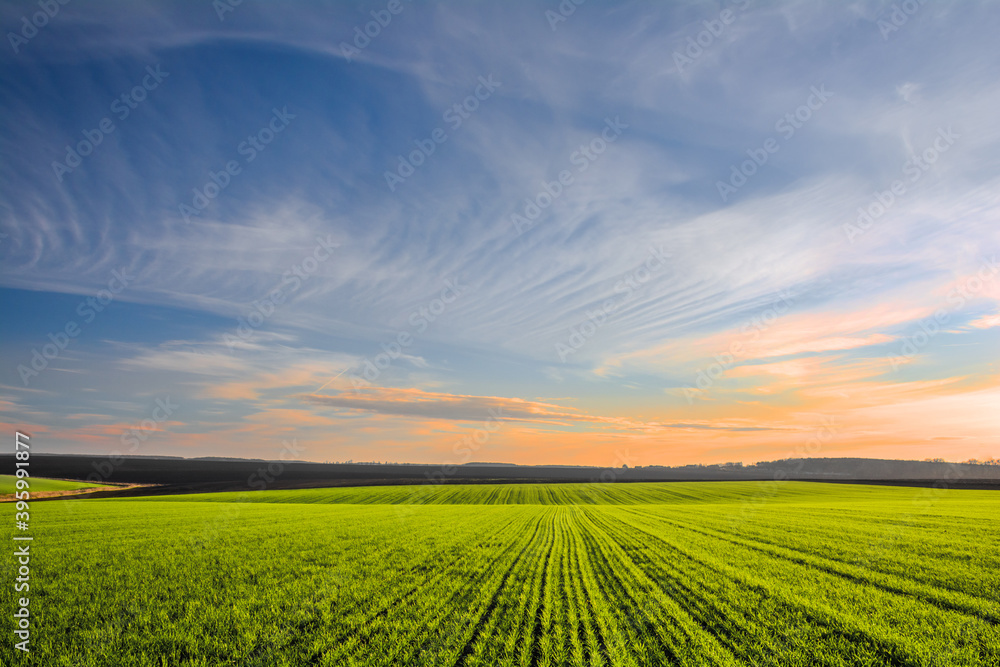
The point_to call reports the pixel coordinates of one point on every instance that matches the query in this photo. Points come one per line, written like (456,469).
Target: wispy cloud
(417,403)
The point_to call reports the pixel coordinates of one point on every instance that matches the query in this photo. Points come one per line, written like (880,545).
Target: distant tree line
(983,462)
(972,462)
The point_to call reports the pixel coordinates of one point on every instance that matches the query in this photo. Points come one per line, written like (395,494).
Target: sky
(602,233)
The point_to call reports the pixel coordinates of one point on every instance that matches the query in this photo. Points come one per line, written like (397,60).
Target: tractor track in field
(425,583)
(854,563)
(708,613)
(891,652)
(536,630)
(461,596)
(643,623)
(591,623)
(487,613)
(816,562)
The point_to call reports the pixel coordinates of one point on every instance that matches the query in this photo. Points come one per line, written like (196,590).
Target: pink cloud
(986,322)
(423,404)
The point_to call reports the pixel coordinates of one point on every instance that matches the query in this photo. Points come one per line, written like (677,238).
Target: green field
(40,484)
(628,574)
(673,493)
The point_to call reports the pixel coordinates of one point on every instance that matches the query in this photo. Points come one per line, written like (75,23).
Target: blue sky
(592,326)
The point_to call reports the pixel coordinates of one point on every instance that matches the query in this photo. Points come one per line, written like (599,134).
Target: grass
(40,485)
(671,493)
(631,574)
